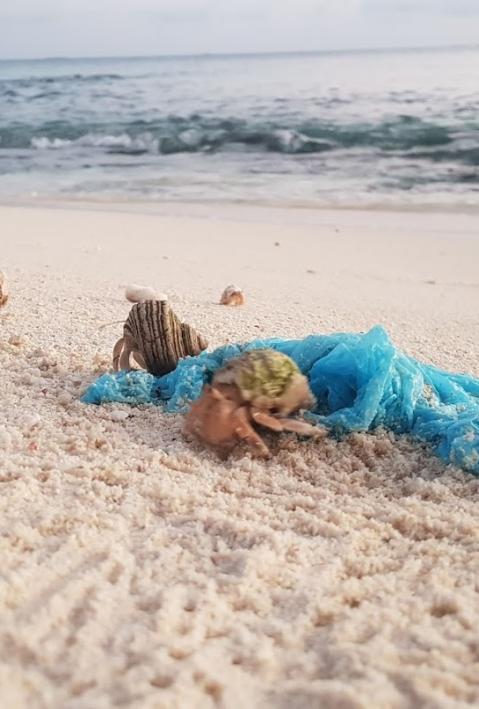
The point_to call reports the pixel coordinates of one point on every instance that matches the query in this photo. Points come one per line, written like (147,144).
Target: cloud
(432,8)
(21,9)
(175,9)
(122,27)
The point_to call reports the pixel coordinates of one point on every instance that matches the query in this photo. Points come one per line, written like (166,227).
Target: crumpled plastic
(361,382)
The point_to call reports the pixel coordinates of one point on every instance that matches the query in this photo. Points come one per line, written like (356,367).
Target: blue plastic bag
(360,382)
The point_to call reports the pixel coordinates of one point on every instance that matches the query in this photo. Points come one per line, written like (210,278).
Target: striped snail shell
(156,338)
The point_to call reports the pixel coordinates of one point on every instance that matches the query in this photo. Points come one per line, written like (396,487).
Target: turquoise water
(334,129)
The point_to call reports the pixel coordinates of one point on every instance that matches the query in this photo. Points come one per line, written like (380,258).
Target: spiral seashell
(138,294)
(156,338)
(232,295)
(3,289)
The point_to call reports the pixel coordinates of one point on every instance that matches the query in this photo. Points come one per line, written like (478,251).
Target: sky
(49,28)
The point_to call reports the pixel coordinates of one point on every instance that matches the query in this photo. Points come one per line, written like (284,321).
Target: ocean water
(357,129)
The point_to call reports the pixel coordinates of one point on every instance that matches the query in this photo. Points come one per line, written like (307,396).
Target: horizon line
(212,55)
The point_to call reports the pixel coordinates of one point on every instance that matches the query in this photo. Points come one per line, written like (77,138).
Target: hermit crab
(258,388)
(154,336)
(232,295)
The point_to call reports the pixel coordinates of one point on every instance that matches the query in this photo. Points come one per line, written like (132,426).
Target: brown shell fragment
(156,338)
(232,295)
(3,289)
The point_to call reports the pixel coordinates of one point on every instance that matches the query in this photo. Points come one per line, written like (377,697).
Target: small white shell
(118,415)
(3,289)
(138,294)
(232,295)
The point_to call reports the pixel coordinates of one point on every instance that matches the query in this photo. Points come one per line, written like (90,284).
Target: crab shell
(268,380)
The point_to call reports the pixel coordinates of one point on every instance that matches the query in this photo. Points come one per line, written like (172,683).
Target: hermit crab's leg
(138,357)
(302,428)
(281,423)
(129,345)
(264,419)
(246,433)
(116,354)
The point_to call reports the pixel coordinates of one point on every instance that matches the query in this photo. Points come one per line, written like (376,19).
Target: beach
(138,569)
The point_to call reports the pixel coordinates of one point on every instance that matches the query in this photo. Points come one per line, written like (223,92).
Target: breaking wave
(406,135)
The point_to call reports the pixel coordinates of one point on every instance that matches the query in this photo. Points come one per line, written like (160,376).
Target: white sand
(139,571)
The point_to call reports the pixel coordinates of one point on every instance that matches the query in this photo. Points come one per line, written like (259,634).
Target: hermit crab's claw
(211,419)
